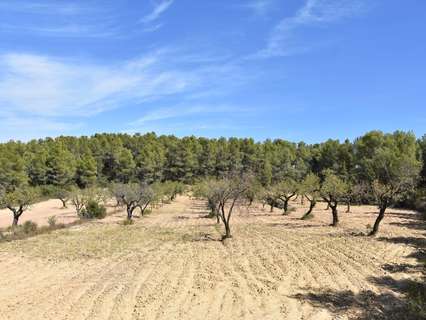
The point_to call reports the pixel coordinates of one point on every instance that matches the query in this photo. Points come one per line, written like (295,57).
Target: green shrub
(51,221)
(291,209)
(417,299)
(308,217)
(368,227)
(127,222)
(93,210)
(147,211)
(421,206)
(29,227)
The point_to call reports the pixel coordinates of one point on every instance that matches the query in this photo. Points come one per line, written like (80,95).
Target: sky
(300,70)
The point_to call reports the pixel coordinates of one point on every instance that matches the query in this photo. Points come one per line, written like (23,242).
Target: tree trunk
(15,220)
(328,206)
(272,207)
(129,213)
(378,220)
(143,209)
(217,217)
(335,215)
(225,221)
(348,207)
(64,203)
(227,230)
(286,205)
(311,208)
(16,215)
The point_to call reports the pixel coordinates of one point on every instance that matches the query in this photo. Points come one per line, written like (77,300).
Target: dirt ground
(40,212)
(171,265)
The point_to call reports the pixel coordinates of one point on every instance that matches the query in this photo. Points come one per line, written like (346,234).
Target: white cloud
(43,7)
(23,128)
(58,19)
(196,119)
(159,9)
(259,7)
(46,86)
(153,28)
(67,30)
(184,111)
(281,41)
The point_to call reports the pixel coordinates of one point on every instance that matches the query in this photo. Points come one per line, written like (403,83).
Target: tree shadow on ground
(365,305)
(398,299)
(296,226)
(419,225)
(200,237)
(416,242)
(401,215)
(271,214)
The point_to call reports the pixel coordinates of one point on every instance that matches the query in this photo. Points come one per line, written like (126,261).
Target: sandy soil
(40,212)
(170,265)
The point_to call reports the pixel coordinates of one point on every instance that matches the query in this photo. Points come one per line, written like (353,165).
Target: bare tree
(309,189)
(19,201)
(61,193)
(388,194)
(133,196)
(270,198)
(208,189)
(285,191)
(80,198)
(230,192)
(356,193)
(333,190)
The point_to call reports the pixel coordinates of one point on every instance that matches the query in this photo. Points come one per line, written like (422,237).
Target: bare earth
(170,265)
(40,212)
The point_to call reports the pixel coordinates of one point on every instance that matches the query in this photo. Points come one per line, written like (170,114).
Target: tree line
(385,169)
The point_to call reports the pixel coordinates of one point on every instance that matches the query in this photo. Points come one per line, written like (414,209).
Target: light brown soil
(171,265)
(40,212)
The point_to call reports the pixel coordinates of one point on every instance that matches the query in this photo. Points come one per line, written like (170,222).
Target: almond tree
(356,193)
(333,190)
(19,201)
(208,189)
(310,189)
(173,188)
(61,193)
(285,191)
(133,196)
(80,198)
(391,164)
(395,189)
(270,197)
(230,192)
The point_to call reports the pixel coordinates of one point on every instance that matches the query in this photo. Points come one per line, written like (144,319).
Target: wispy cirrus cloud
(67,30)
(153,28)
(24,128)
(46,86)
(44,7)
(159,8)
(259,7)
(194,119)
(57,19)
(282,40)
(49,87)
(182,111)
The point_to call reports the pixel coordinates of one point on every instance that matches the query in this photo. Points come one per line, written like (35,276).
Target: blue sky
(296,69)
